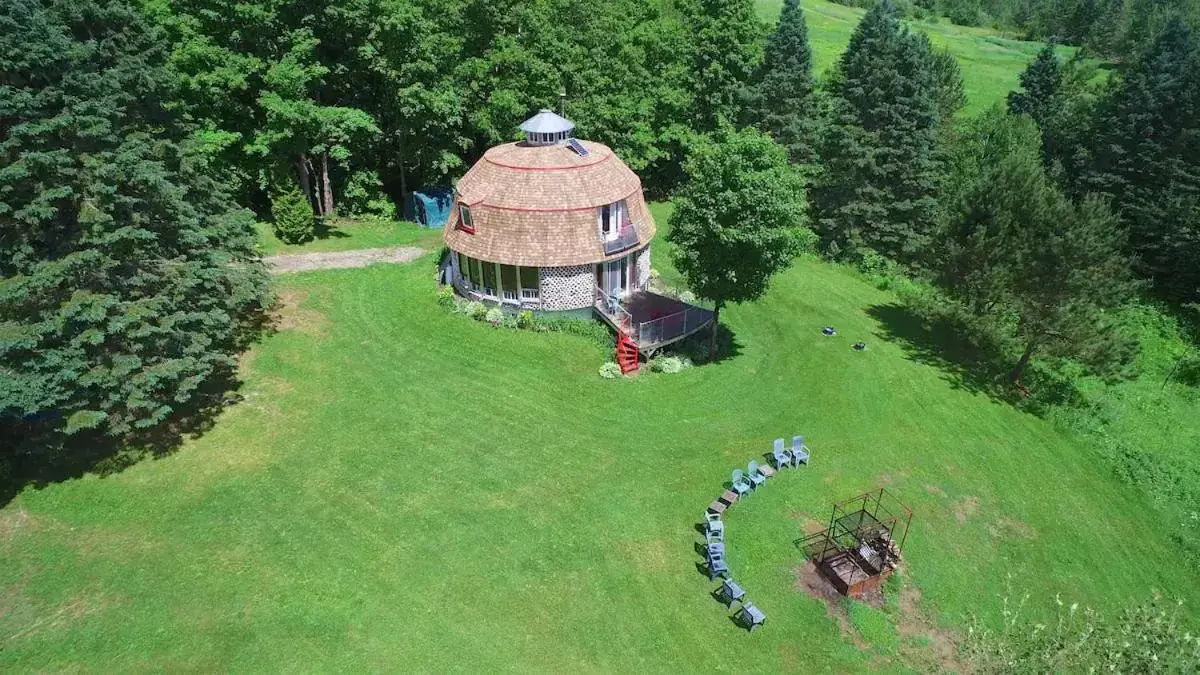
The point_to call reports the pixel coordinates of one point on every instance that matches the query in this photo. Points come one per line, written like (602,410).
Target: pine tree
(879,152)
(782,102)
(738,220)
(1040,84)
(292,215)
(1019,255)
(126,279)
(1147,160)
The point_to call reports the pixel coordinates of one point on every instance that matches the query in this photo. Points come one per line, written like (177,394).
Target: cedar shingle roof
(537,205)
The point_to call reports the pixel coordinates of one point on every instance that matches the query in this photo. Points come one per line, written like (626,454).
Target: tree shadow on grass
(947,345)
(40,459)
(323,229)
(697,348)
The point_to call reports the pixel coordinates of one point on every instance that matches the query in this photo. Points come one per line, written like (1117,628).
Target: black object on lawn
(828,330)
(860,346)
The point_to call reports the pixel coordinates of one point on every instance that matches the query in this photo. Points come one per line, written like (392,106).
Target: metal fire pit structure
(862,545)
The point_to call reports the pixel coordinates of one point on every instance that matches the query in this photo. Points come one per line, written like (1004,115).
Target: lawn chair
(716,550)
(711,517)
(799,451)
(717,568)
(752,473)
(714,531)
(730,592)
(780,454)
(750,616)
(740,484)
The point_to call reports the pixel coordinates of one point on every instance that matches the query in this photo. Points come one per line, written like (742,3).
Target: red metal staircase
(627,353)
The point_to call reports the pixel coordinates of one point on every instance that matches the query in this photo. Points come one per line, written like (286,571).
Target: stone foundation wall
(567,287)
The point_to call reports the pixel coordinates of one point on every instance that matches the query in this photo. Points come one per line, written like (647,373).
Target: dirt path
(303,262)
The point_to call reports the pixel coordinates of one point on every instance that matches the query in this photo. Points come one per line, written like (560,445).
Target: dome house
(559,225)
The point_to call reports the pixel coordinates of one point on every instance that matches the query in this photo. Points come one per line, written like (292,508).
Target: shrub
(446,297)
(364,196)
(525,319)
(509,321)
(494,316)
(667,364)
(593,330)
(293,216)
(610,371)
(477,310)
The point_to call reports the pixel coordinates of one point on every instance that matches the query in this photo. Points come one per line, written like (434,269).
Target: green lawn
(345,235)
(404,489)
(991,63)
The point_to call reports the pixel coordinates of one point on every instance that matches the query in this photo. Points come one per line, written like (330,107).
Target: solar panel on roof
(577,147)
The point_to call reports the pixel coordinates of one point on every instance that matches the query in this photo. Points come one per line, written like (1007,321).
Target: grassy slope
(406,488)
(990,62)
(345,235)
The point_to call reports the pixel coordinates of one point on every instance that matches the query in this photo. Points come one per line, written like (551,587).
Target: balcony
(626,238)
(653,321)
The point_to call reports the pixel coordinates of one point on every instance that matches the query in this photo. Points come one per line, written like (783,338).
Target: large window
(508,282)
(472,271)
(611,216)
(489,278)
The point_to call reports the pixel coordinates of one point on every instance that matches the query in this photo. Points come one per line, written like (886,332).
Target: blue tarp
(429,207)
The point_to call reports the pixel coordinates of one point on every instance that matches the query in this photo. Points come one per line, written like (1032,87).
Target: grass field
(406,489)
(345,235)
(990,62)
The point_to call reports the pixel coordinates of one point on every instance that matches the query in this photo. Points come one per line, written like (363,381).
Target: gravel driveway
(303,262)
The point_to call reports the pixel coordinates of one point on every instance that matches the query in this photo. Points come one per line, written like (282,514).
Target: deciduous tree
(738,219)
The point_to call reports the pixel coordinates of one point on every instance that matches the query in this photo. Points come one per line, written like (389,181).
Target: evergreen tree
(947,77)
(1022,257)
(782,101)
(292,215)
(125,277)
(738,220)
(1146,160)
(879,151)
(1040,82)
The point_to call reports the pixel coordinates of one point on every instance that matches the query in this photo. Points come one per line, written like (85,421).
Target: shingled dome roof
(538,205)
(546,122)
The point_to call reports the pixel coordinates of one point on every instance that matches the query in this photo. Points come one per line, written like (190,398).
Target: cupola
(547,128)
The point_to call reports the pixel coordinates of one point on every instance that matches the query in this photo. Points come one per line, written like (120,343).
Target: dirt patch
(1008,528)
(965,508)
(304,262)
(69,611)
(649,555)
(941,652)
(14,522)
(289,314)
(886,479)
(810,582)
(808,524)
(935,490)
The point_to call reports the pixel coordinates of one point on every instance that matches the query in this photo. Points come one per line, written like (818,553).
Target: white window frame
(465,219)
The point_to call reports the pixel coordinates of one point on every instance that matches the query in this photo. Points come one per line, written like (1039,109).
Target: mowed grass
(991,63)
(345,235)
(406,489)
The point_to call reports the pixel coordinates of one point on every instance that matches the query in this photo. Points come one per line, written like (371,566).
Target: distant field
(991,63)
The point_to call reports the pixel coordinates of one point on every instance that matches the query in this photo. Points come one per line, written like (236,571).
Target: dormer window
(611,217)
(464,219)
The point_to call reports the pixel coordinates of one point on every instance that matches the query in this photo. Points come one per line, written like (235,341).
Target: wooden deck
(654,321)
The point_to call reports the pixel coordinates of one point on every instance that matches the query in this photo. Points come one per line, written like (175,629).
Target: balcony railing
(672,326)
(611,306)
(626,238)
